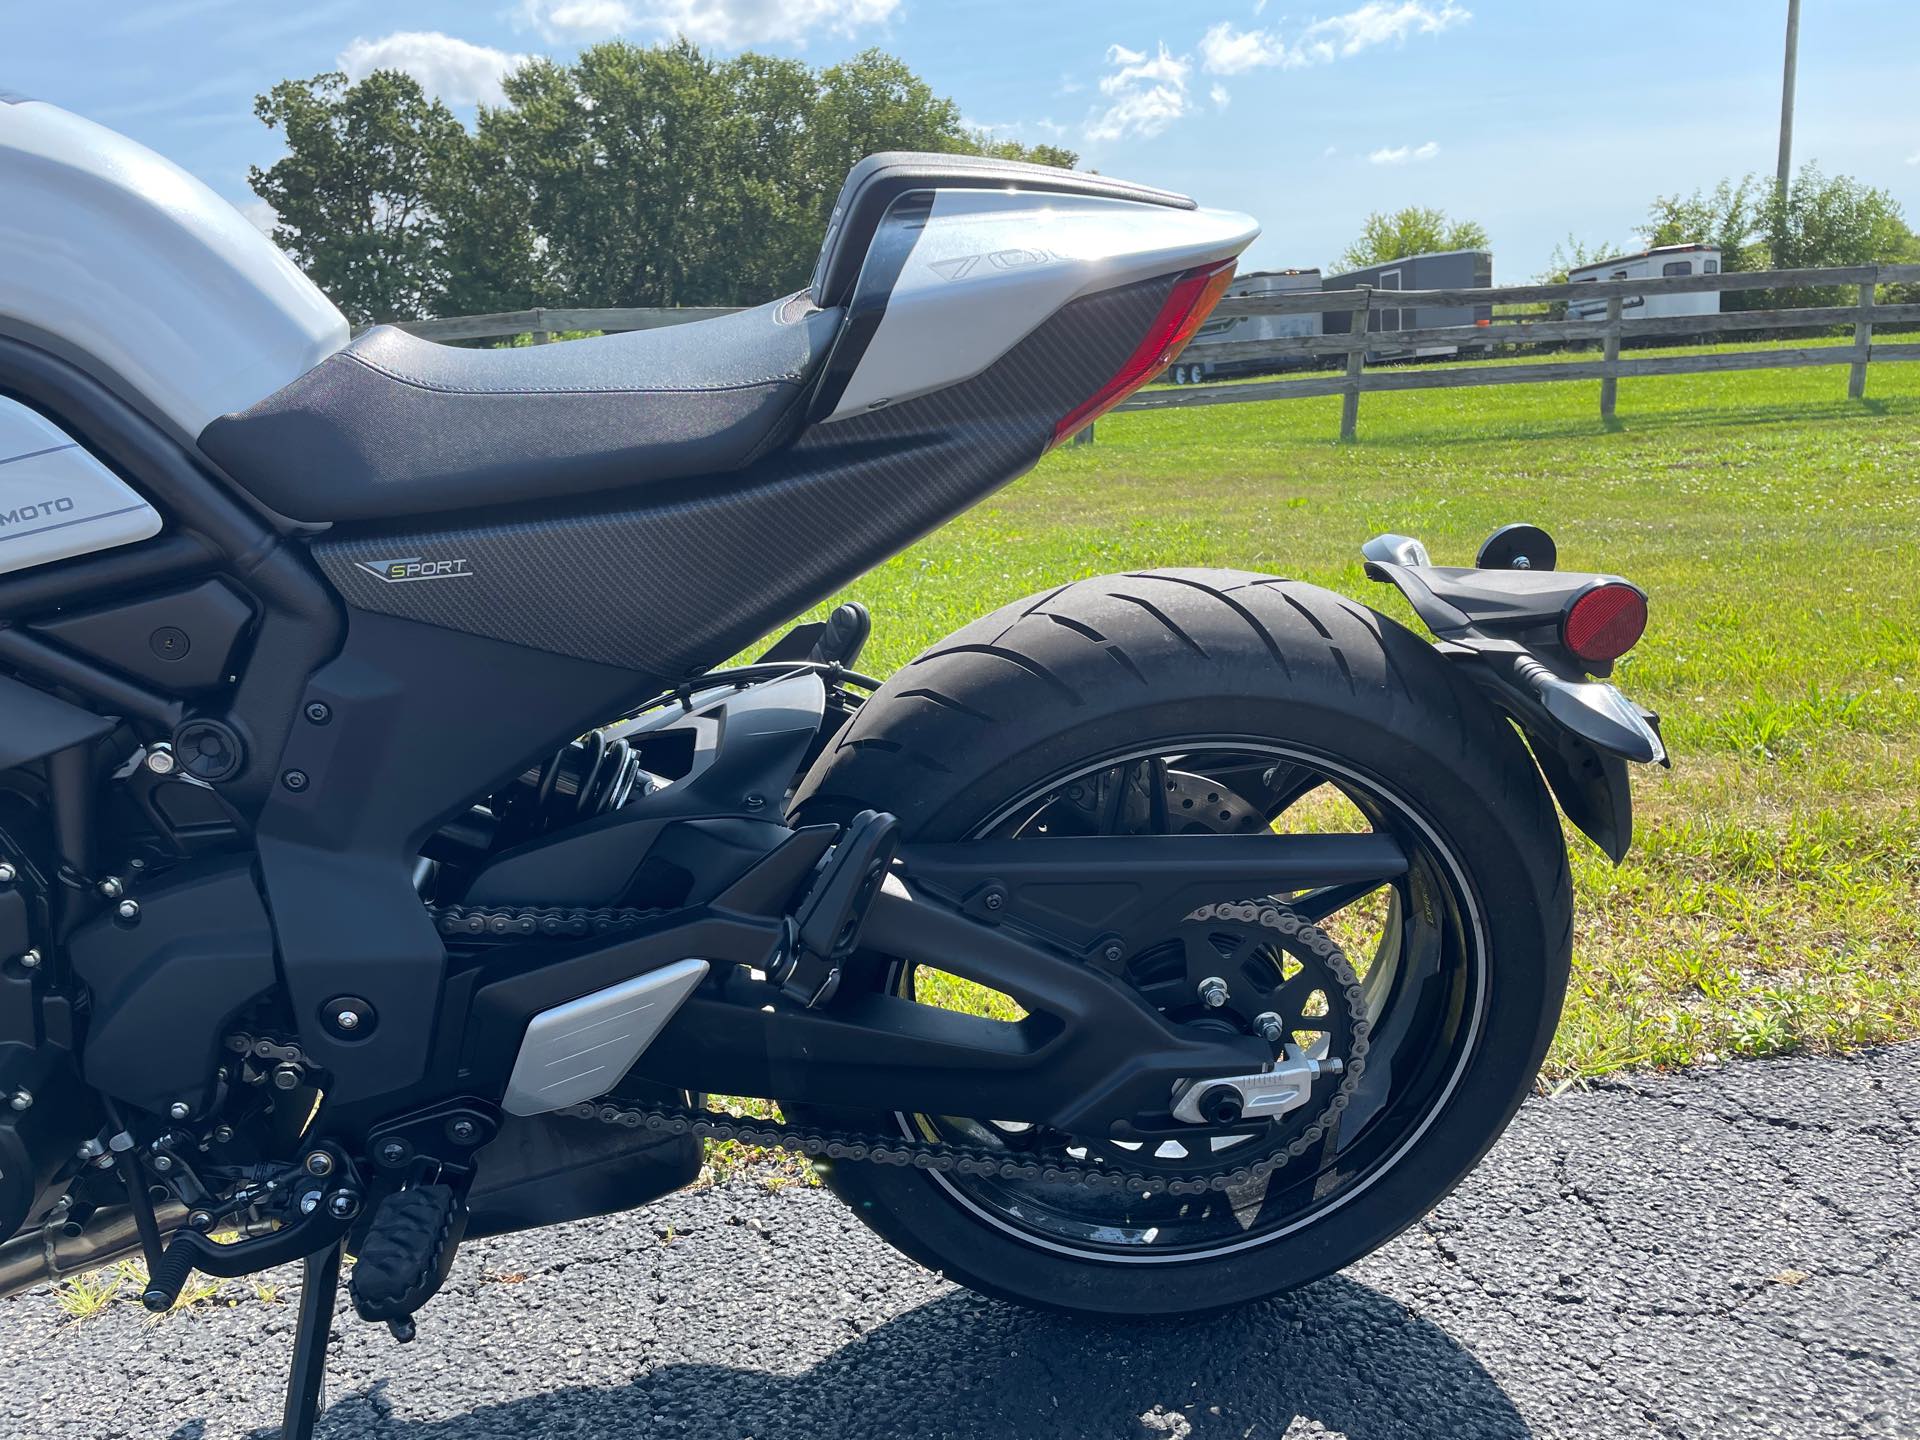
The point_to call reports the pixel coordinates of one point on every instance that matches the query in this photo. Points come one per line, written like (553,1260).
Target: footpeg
(408,1251)
(826,929)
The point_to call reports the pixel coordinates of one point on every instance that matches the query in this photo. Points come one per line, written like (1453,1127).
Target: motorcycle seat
(393,425)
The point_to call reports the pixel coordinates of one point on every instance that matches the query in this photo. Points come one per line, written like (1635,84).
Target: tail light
(1604,621)
(1187,306)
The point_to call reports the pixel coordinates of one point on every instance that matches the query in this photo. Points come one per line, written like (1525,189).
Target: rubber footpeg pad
(407,1253)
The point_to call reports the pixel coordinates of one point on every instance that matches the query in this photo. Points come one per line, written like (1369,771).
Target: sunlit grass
(1771,898)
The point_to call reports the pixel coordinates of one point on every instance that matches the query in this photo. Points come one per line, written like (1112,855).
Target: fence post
(1356,363)
(1862,345)
(541,335)
(1610,361)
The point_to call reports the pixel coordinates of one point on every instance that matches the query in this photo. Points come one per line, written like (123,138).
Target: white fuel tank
(56,500)
(119,260)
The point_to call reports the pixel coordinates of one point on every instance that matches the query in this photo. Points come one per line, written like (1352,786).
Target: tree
(1820,220)
(1756,224)
(362,192)
(1416,230)
(632,176)
(1572,254)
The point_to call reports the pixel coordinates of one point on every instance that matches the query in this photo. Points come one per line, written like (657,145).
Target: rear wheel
(1196,702)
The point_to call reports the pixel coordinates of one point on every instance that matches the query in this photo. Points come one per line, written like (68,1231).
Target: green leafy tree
(1815,222)
(362,193)
(1822,220)
(1416,230)
(1726,217)
(632,176)
(1569,255)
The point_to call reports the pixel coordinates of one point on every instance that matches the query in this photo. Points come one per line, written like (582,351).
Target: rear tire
(1107,666)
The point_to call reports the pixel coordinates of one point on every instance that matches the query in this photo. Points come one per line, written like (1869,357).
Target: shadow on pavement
(1337,1354)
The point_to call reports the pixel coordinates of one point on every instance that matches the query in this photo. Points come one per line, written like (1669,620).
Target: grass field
(1772,900)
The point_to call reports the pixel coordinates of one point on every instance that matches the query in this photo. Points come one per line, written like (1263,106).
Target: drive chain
(992,1163)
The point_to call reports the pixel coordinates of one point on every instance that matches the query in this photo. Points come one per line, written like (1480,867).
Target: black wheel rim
(1417,945)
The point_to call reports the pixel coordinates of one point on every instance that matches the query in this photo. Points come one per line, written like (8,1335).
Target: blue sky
(1539,118)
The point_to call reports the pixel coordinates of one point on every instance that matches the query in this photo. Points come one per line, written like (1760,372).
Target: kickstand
(319,1281)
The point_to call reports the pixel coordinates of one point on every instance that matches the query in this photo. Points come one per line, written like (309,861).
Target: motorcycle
(390,856)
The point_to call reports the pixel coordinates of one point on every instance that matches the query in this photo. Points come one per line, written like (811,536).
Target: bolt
(128,910)
(179,1110)
(30,960)
(309,1202)
(1521,562)
(22,1100)
(1270,1026)
(994,900)
(6,873)
(90,1149)
(1213,992)
(200,1219)
(754,802)
(1113,954)
(463,1131)
(112,888)
(319,713)
(347,1020)
(1221,1105)
(285,1077)
(163,1163)
(394,1152)
(160,762)
(222,1134)
(295,780)
(319,1163)
(343,1204)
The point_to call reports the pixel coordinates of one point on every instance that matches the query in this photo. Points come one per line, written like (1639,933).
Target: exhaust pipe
(65,1249)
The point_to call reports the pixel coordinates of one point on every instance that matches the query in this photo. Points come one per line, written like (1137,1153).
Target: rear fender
(1502,625)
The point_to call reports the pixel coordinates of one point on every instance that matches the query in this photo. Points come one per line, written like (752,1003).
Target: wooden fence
(1354,347)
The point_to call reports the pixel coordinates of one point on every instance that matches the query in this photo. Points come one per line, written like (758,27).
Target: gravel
(1725,1253)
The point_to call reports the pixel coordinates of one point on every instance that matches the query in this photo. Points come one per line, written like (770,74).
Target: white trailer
(1663,260)
(1194,366)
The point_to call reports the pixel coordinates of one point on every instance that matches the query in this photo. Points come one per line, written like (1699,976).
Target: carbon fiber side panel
(684,578)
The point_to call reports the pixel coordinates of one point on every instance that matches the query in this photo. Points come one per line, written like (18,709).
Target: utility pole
(1786,94)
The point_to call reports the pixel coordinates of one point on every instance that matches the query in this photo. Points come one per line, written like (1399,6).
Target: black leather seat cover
(394,425)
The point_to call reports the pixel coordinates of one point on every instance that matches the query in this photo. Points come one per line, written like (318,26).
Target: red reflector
(1605,622)
(1187,306)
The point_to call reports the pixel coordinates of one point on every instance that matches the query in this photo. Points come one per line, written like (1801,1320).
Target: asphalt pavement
(1730,1252)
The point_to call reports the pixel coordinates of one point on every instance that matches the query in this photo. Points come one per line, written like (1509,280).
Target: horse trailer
(1438,270)
(1662,260)
(1197,364)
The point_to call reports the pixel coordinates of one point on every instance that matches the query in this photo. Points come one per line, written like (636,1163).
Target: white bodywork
(121,260)
(56,500)
(1666,260)
(991,265)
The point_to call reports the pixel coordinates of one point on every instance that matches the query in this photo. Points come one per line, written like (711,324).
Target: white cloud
(459,72)
(1220,96)
(1137,69)
(1149,93)
(1376,23)
(1404,154)
(723,24)
(1914,158)
(1227,51)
